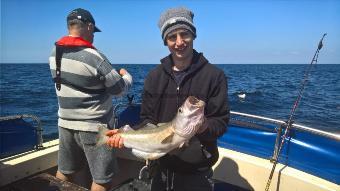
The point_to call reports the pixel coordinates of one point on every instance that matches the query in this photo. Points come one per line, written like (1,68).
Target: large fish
(152,142)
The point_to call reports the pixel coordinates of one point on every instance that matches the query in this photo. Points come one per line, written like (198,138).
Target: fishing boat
(256,153)
(309,159)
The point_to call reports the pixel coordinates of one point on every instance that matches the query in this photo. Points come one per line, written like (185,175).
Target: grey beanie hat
(176,18)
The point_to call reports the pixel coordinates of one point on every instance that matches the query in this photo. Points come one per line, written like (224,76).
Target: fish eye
(180,110)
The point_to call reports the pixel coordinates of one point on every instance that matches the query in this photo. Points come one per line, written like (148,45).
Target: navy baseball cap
(83,15)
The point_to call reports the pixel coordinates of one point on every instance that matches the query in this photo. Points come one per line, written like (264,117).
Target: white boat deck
(233,167)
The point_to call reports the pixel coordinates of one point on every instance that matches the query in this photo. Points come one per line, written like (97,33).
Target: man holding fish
(186,97)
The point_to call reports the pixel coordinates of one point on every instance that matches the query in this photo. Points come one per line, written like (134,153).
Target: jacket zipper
(177,90)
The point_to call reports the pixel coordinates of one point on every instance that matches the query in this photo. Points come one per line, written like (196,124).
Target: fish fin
(168,138)
(181,145)
(101,136)
(161,124)
(125,128)
(147,155)
(185,143)
(150,126)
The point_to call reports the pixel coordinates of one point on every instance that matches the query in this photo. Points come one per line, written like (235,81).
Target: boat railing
(331,135)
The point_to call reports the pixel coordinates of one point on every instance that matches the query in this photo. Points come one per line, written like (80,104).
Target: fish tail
(101,136)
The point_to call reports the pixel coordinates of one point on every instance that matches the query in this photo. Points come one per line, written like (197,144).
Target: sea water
(270,90)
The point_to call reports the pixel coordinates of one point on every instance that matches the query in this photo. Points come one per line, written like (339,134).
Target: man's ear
(90,27)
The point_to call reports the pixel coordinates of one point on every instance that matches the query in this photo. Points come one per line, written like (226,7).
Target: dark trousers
(170,181)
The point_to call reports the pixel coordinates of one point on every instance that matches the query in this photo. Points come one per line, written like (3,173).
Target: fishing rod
(292,112)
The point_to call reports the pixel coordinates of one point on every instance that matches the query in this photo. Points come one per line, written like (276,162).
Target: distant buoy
(242,96)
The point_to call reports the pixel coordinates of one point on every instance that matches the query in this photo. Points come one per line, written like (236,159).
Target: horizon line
(159,63)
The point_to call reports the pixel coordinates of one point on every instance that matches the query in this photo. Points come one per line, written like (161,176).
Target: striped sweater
(88,84)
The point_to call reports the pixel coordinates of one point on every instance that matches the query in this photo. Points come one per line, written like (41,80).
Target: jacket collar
(198,60)
(71,41)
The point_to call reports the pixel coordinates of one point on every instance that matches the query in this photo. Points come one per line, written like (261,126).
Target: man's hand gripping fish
(152,142)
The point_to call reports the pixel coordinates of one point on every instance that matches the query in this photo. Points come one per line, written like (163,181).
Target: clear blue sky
(228,32)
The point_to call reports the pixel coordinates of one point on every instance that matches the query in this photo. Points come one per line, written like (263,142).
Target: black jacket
(162,97)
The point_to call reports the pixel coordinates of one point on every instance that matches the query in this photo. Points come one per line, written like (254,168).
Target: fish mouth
(195,102)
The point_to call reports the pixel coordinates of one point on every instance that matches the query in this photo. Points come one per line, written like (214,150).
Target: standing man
(183,73)
(85,85)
